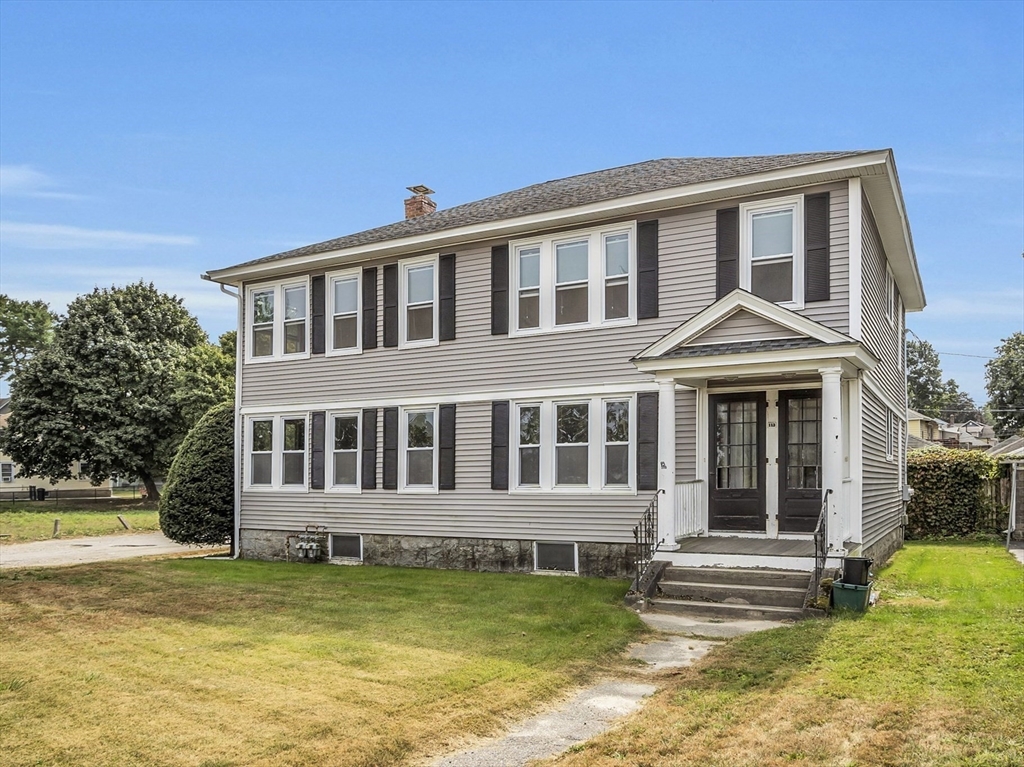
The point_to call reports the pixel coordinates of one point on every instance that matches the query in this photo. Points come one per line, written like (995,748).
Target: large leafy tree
(103,391)
(25,328)
(925,389)
(959,406)
(1005,383)
(206,378)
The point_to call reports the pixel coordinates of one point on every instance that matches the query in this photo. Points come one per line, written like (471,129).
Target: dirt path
(98,548)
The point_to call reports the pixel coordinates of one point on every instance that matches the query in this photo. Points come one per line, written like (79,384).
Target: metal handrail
(821,547)
(645,535)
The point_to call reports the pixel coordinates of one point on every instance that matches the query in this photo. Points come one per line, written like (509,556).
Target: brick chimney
(420,203)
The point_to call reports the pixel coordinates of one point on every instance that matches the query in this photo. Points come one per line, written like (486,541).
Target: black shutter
(446,291)
(369,469)
(647,269)
(647,441)
(446,444)
(391,305)
(390,448)
(319,310)
(317,434)
(499,290)
(370,307)
(499,445)
(728,250)
(816,246)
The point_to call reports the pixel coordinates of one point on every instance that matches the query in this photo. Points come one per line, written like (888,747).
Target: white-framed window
(343,465)
(6,472)
(772,250)
(278,321)
(344,310)
(574,280)
(277,452)
(892,295)
(417,456)
(347,546)
(582,444)
(890,435)
(418,304)
(556,557)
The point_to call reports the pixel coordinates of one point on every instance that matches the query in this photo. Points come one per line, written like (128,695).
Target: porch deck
(769,547)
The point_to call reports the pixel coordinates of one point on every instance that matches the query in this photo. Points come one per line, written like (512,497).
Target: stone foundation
(882,550)
(607,560)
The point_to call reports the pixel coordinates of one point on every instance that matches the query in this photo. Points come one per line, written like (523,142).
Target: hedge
(948,498)
(198,502)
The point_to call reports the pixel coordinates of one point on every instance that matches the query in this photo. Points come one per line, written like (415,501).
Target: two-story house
(506,384)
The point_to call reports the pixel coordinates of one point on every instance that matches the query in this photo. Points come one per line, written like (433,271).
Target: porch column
(832,451)
(667,464)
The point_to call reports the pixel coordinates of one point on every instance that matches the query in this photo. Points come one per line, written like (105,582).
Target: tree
(959,405)
(198,504)
(25,328)
(206,378)
(925,390)
(1004,379)
(102,391)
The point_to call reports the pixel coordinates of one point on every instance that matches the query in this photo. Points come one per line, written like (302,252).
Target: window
(345,324)
(344,452)
(418,465)
(6,472)
(278,325)
(575,280)
(772,250)
(890,437)
(557,557)
(579,445)
(347,546)
(277,452)
(891,297)
(418,296)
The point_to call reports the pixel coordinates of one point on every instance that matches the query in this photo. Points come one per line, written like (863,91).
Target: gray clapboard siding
(882,502)
(686,435)
(835,313)
(742,326)
(880,336)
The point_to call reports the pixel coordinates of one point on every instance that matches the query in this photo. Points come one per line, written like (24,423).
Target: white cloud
(994,305)
(59,237)
(26,181)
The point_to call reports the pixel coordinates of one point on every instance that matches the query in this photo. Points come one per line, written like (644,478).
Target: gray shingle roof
(649,176)
(739,347)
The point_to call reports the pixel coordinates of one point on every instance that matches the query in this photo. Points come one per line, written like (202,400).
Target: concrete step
(725,610)
(778,596)
(746,576)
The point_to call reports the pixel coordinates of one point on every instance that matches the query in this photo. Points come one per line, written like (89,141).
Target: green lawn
(933,675)
(33,522)
(194,662)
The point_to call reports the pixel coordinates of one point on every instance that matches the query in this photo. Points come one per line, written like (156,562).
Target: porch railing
(821,538)
(689,508)
(645,534)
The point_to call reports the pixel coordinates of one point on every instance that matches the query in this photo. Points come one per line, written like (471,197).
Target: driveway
(99,548)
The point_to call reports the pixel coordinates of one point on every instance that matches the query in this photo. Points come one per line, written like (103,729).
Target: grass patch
(25,522)
(192,662)
(930,676)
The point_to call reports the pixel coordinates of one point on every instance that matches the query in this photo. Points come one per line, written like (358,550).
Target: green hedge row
(949,498)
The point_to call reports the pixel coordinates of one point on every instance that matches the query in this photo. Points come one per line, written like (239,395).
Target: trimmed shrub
(949,499)
(198,503)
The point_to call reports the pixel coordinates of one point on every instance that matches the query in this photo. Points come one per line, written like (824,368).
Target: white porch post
(667,464)
(832,451)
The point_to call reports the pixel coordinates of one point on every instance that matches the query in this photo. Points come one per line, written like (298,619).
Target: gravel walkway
(100,548)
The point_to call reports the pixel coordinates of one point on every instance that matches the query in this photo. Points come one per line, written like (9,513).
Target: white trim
(404,266)
(403,447)
(575,558)
(776,362)
(9,465)
(748,210)
(279,288)
(329,486)
(329,311)
(277,452)
(856,258)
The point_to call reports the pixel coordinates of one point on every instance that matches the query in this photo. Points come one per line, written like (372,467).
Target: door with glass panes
(736,497)
(799,460)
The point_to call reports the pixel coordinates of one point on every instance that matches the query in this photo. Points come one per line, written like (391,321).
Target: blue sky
(156,141)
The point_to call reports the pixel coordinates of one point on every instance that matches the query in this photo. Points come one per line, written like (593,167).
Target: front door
(799,460)
(736,501)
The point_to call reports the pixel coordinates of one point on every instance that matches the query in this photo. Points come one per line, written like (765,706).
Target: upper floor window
(575,280)
(278,326)
(6,472)
(772,250)
(344,324)
(277,452)
(418,302)
(892,297)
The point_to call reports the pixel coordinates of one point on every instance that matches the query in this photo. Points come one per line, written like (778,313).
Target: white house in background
(508,383)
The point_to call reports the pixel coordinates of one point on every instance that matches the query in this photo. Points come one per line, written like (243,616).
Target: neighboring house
(972,435)
(924,427)
(507,384)
(1009,453)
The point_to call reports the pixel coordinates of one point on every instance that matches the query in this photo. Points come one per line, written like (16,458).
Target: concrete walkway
(99,548)
(595,709)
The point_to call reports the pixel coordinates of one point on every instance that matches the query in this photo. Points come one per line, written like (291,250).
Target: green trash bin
(850,596)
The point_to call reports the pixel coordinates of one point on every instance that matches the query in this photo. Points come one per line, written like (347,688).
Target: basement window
(555,557)
(345,546)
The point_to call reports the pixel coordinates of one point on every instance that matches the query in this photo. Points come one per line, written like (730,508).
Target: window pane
(572,261)
(262,436)
(421,467)
(616,465)
(529,425)
(616,300)
(572,465)
(420,325)
(294,303)
(346,433)
(573,423)
(294,337)
(294,469)
(571,305)
(263,306)
(261,469)
(616,255)
(772,282)
(262,342)
(529,309)
(345,468)
(346,295)
(345,332)
(529,466)
(529,268)
(616,422)
(421,429)
(772,234)
(295,434)
(420,284)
